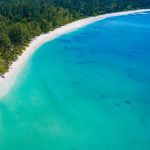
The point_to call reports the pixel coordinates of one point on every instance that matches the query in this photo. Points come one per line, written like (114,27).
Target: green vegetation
(22,20)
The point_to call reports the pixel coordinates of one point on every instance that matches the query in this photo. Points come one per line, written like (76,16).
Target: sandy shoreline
(10,77)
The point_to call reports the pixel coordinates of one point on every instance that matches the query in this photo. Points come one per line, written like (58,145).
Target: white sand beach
(10,77)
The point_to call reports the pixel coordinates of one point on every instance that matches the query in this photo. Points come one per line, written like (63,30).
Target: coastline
(11,76)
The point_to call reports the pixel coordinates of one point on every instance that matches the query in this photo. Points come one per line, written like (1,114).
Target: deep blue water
(87,90)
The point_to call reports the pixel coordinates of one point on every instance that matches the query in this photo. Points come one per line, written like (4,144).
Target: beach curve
(11,76)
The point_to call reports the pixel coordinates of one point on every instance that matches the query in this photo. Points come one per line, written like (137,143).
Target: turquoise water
(87,90)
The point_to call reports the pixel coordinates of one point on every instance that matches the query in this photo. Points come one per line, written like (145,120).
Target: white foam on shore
(10,77)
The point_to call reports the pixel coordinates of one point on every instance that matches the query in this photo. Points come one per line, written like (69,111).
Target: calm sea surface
(87,90)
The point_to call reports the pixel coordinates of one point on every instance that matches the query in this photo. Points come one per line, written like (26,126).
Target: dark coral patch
(128,102)
(17,113)
(116,104)
(74,82)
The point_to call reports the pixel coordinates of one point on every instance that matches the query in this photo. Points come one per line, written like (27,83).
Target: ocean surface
(86,90)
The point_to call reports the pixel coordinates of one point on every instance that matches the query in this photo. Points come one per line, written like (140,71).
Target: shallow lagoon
(87,90)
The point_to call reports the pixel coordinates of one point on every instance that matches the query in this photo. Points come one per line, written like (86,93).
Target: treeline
(22,20)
